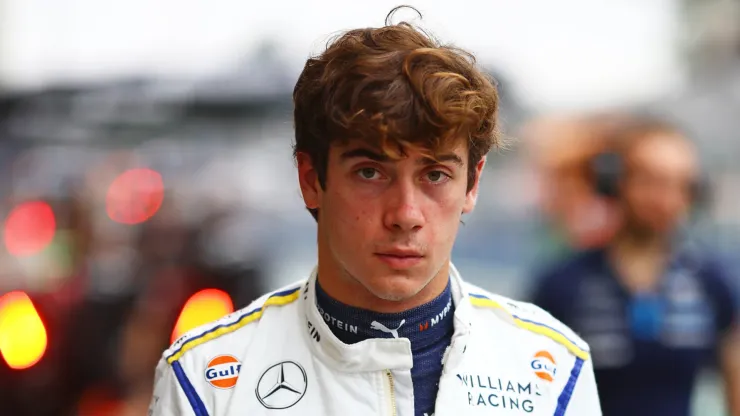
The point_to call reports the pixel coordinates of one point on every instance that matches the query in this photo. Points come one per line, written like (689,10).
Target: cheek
(448,208)
(349,210)
(449,199)
(443,213)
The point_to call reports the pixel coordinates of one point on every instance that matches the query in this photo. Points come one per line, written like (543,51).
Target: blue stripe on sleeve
(565,396)
(195,402)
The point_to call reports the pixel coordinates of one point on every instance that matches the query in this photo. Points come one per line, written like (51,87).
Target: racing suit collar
(377,354)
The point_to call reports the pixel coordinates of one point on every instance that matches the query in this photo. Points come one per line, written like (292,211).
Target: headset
(608,168)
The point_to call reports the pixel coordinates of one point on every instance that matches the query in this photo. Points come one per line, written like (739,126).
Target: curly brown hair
(395,88)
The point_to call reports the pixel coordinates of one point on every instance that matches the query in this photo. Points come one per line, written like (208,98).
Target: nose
(403,210)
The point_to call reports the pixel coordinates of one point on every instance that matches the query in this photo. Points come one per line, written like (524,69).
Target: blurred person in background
(653,305)
(392,130)
(559,150)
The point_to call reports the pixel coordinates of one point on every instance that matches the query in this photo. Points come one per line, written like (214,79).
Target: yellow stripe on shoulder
(554,335)
(532,326)
(277,299)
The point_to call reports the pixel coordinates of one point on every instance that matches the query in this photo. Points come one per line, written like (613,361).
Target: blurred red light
(23,336)
(203,307)
(135,196)
(98,400)
(29,228)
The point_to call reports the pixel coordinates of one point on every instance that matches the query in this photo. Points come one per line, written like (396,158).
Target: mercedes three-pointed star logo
(282,385)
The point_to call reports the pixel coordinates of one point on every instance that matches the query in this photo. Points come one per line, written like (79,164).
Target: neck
(630,243)
(639,261)
(424,325)
(343,287)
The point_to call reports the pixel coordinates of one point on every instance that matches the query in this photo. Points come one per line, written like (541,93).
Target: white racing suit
(279,357)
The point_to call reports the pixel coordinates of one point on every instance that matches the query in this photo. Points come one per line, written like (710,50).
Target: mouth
(400,258)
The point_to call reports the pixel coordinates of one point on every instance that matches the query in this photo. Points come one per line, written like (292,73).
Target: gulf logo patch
(544,365)
(223,371)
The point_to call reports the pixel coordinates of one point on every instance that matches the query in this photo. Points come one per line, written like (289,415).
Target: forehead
(666,155)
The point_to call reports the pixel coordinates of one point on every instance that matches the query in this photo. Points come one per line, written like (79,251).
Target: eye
(368,173)
(437,176)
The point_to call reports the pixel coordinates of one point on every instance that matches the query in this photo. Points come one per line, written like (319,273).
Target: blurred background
(147,182)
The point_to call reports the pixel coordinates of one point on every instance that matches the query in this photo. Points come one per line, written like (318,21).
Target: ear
(472,196)
(308,179)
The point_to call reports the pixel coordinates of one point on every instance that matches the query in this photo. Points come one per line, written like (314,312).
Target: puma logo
(380,327)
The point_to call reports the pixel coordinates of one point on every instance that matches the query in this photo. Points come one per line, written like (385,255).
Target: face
(657,190)
(389,224)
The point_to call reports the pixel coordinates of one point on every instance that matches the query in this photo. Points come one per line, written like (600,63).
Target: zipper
(392,392)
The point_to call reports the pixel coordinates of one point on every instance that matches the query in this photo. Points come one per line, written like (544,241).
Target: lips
(400,258)
(399,252)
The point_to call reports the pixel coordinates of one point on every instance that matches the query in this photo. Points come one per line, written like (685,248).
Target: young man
(654,308)
(391,135)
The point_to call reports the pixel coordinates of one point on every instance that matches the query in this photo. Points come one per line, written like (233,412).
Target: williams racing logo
(544,366)
(223,371)
(487,391)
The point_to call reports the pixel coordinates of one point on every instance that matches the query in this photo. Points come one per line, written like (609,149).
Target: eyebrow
(364,153)
(380,157)
(451,157)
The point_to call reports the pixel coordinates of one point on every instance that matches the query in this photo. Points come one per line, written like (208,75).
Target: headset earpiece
(701,193)
(607,169)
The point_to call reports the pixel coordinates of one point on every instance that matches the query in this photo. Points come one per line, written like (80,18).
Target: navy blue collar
(423,325)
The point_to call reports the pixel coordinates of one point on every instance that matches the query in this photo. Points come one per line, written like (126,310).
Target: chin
(393,294)
(395,286)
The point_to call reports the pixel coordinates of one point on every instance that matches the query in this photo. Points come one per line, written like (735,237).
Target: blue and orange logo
(223,371)
(544,365)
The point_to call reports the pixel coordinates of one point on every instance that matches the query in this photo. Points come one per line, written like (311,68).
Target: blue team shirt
(428,327)
(647,349)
